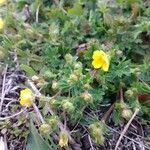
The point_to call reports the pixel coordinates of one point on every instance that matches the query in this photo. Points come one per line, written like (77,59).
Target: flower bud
(122,84)
(78,65)
(63,139)
(87,86)
(67,106)
(45,128)
(126,113)
(129,93)
(2,55)
(132,92)
(72,79)
(41,83)
(53,121)
(135,90)
(35,78)
(87,97)
(69,58)
(78,72)
(110,32)
(48,74)
(43,98)
(53,102)
(119,53)
(137,71)
(55,85)
(96,132)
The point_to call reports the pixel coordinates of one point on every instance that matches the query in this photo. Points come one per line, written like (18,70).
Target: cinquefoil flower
(26,97)
(100,60)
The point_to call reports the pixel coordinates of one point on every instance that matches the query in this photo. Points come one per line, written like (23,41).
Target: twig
(5,141)
(110,128)
(37,14)
(134,148)
(16,58)
(3,88)
(121,95)
(73,130)
(142,137)
(126,128)
(38,113)
(14,101)
(104,118)
(38,94)
(14,115)
(2,144)
(56,2)
(92,148)
(65,119)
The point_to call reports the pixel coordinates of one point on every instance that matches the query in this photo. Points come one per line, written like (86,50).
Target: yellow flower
(26,97)
(100,60)
(63,139)
(2,2)
(1,24)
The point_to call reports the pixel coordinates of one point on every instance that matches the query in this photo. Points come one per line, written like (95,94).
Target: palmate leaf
(76,10)
(29,71)
(142,87)
(35,141)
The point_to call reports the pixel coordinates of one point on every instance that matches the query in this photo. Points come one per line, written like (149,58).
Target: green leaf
(76,10)
(142,87)
(30,72)
(35,141)
(22,53)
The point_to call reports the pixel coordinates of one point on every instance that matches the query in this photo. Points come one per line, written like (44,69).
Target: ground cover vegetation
(75,74)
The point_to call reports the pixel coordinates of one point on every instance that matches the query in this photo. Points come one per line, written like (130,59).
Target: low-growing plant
(79,55)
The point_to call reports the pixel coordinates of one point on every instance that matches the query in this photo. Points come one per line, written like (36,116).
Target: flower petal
(26,102)
(63,139)
(97,54)
(97,64)
(100,60)
(1,24)
(26,97)
(2,2)
(105,66)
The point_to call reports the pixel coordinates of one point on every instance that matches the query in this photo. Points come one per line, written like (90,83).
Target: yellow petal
(1,24)
(97,63)
(96,54)
(26,97)
(63,141)
(100,60)
(26,102)
(2,2)
(105,66)
(25,91)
